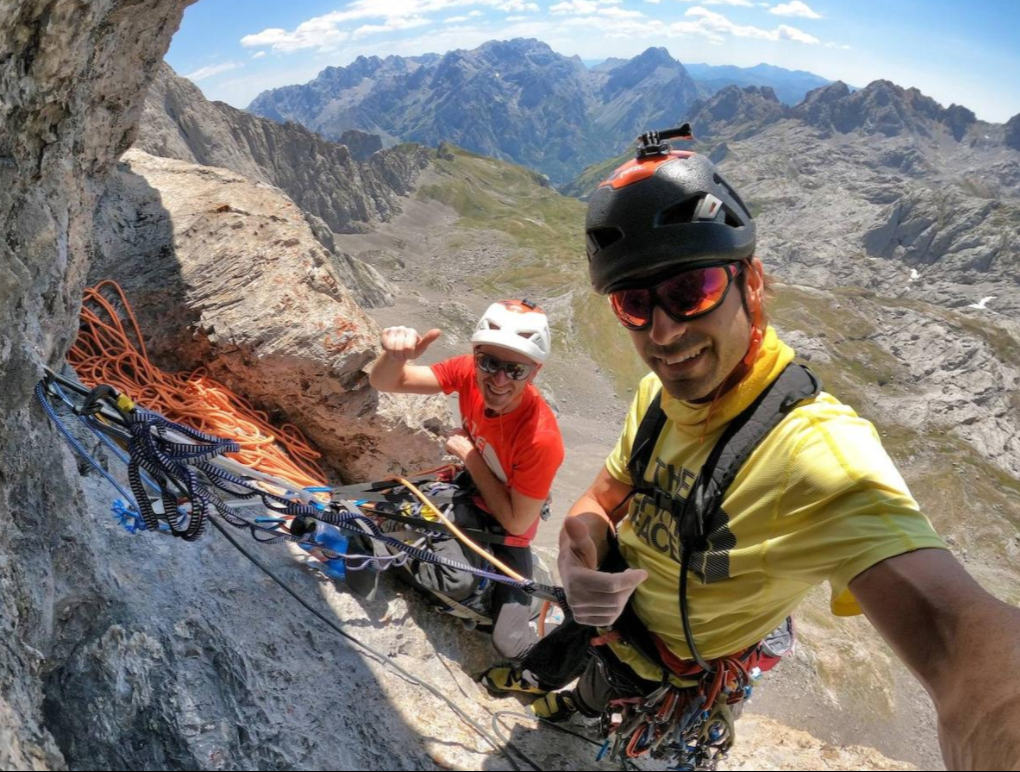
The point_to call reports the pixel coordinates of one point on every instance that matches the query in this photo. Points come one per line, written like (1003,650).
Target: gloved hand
(596,598)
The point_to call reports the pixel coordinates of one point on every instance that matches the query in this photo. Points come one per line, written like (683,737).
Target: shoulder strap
(743,434)
(644,441)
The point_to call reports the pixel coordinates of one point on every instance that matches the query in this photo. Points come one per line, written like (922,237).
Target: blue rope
(90,423)
(40,394)
(157,461)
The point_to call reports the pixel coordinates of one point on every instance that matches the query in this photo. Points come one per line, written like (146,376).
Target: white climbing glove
(595,597)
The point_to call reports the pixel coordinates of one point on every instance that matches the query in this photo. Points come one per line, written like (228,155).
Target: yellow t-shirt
(818,500)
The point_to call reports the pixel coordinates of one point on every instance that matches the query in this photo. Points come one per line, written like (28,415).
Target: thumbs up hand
(405,344)
(596,598)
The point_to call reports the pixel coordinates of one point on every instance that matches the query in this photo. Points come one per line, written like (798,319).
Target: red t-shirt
(523,448)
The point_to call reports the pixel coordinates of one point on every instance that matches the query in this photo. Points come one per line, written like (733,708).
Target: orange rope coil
(108,352)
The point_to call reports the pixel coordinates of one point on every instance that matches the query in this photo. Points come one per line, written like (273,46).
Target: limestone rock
(72,79)
(227,275)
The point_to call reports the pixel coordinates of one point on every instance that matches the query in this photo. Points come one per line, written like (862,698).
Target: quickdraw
(692,726)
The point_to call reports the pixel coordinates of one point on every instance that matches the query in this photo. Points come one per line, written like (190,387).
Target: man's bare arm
(961,643)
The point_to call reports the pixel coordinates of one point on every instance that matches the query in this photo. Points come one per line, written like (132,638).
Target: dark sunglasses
(683,297)
(515,371)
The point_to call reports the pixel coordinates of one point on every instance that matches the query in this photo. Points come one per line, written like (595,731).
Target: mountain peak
(656,54)
(646,64)
(827,94)
(881,107)
(733,106)
(1013,132)
(958,118)
(515,46)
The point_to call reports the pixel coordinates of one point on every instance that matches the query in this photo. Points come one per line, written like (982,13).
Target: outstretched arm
(961,643)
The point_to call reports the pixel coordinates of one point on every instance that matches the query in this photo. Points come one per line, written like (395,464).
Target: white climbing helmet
(518,325)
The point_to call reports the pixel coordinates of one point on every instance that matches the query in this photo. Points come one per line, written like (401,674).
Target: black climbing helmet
(664,210)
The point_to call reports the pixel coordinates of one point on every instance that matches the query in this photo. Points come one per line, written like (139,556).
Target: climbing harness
(689,719)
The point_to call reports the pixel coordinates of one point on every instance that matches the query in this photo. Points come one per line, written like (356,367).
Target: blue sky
(968,53)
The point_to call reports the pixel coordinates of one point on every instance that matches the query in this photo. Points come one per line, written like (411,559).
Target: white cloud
(654,2)
(316,33)
(326,32)
(258,54)
(715,26)
(575,6)
(604,8)
(741,3)
(517,6)
(840,46)
(795,8)
(786,32)
(456,19)
(475,13)
(213,69)
(620,13)
(391,25)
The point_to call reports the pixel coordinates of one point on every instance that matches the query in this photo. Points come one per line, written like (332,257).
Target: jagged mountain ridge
(347,189)
(882,110)
(519,100)
(516,100)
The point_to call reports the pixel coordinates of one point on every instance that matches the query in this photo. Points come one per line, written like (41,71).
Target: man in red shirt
(509,443)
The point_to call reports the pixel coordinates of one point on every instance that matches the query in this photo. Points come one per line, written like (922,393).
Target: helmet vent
(600,238)
(733,194)
(682,213)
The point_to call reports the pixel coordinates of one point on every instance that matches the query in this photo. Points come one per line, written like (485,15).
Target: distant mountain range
(516,100)
(791,86)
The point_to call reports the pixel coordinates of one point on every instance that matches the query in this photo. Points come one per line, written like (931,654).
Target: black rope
(377,655)
(193,487)
(497,727)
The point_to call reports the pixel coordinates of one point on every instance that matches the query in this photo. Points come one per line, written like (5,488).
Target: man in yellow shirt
(813,497)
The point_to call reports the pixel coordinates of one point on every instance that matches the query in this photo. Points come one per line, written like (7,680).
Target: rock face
(347,189)
(334,191)
(516,100)
(361,144)
(149,654)
(226,274)
(69,105)
(1012,138)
